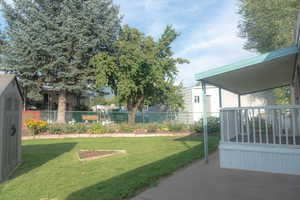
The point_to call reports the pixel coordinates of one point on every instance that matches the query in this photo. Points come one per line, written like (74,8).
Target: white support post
(239,101)
(220,98)
(204,121)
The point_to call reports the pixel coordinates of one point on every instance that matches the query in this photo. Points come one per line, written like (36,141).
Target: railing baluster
(253,124)
(227,128)
(273,126)
(280,126)
(294,126)
(259,127)
(266,124)
(248,128)
(285,128)
(236,127)
(242,126)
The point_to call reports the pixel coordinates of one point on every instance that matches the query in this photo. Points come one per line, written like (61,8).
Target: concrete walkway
(208,182)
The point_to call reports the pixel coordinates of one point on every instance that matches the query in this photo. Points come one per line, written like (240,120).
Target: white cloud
(216,44)
(209,34)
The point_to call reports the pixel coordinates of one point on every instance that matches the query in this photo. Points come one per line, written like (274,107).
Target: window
(197,99)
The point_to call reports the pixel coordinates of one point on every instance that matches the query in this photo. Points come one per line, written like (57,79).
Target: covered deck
(263,138)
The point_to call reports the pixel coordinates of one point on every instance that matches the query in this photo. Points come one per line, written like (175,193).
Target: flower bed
(43,128)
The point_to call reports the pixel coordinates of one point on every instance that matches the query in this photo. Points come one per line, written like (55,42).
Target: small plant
(96,129)
(55,129)
(36,126)
(152,128)
(174,127)
(126,128)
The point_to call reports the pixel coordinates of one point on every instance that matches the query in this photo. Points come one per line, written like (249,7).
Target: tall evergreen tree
(50,42)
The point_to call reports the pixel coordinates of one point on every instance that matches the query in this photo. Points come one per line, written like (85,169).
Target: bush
(80,128)
(213,125)
(55,129)
(126,128)
(175,127)
(96,129)
(152,128)
(36,126)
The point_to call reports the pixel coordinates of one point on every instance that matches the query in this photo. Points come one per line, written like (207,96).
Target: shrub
(55,129)
(152,128)
(96,129)
(126,128)
(80,128)
(213,125)
(175,127)
(36,126)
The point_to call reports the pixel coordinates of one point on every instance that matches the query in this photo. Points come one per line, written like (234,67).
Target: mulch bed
(85,155)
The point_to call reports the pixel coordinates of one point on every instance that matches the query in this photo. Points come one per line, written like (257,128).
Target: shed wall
(11,104)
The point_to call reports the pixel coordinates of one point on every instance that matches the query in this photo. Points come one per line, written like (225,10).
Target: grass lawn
(51,168)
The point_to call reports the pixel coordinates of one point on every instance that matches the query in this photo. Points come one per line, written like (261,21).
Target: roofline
(248,62)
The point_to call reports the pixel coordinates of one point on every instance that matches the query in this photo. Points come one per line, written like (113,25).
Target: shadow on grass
(131,183)
(46,152)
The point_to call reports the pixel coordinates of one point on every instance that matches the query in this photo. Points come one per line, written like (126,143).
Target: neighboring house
(193,102)
(264,138)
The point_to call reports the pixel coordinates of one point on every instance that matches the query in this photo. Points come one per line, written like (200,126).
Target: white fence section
(276,125)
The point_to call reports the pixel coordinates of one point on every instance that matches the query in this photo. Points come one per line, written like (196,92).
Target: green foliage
(213,125)
(282,95)
(67,128)
(96,129)
(176,127)
(141,71)
(268,24)
(51,42)
(126,128)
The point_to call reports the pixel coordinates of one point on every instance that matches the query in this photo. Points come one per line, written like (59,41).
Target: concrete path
(208,182)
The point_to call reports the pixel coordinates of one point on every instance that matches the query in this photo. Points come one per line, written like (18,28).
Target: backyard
(52,171)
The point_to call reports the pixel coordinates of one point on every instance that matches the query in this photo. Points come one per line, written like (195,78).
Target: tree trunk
(131,117)
(61,110)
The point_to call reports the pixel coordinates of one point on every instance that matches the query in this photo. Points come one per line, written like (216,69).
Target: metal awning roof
(266,71)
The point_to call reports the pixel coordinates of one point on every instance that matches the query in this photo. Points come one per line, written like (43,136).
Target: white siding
(274,159)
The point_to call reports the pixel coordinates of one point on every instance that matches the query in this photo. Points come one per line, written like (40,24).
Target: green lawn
(51,169)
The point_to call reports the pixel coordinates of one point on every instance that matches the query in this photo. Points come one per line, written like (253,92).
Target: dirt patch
(85,155)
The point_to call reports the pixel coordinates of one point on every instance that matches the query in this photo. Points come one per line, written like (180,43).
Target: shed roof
(266,71)
(5,80)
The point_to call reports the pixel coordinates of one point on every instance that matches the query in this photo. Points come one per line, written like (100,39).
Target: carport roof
(266,71)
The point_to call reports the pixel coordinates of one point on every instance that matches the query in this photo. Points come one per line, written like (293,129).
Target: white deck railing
(276,125)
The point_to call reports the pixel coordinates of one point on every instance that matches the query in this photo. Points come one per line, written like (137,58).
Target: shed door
(10,137)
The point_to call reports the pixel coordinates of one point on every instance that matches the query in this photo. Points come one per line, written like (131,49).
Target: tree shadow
(46,152)
(132,182)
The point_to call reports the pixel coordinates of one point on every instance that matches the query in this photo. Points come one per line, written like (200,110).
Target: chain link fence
(122,117)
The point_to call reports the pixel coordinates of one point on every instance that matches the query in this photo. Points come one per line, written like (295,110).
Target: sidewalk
(208,182)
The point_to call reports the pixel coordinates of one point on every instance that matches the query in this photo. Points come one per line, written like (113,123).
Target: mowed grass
(51,168)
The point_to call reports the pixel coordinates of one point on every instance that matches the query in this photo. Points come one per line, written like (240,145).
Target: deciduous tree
(141,71)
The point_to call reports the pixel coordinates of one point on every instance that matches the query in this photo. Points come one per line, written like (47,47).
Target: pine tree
(50,42)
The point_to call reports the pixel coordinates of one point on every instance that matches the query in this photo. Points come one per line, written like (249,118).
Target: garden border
(62,136)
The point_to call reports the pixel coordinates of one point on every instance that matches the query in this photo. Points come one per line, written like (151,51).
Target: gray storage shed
(11,103)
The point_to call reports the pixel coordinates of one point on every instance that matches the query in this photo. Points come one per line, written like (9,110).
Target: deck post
(220,98)
(205,134)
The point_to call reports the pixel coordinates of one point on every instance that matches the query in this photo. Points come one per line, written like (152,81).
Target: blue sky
(208,28)
(209,33)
